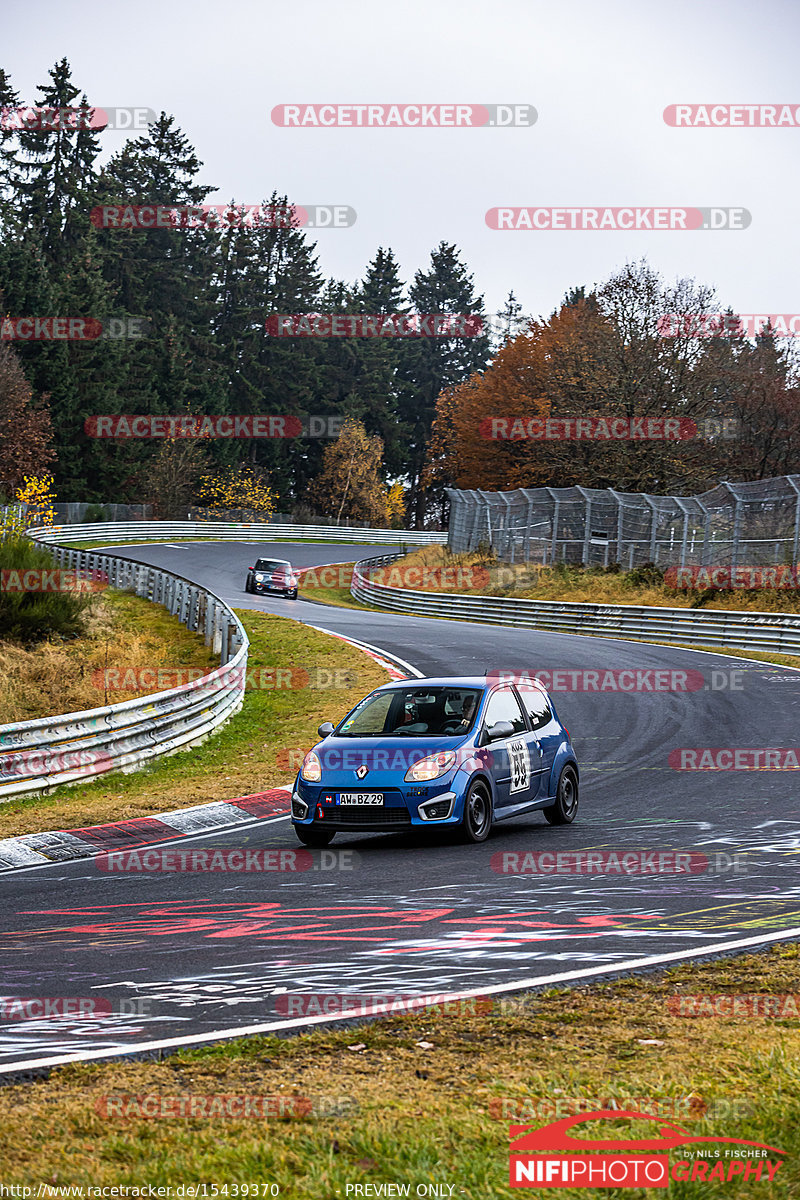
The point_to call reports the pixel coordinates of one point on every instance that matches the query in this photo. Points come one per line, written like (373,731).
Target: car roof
(271,559)
(473,681)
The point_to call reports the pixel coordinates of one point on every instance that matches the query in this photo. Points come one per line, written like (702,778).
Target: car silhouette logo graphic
(552,1156)
(362,770)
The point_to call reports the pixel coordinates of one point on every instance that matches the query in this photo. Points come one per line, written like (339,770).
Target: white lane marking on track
(350,1014)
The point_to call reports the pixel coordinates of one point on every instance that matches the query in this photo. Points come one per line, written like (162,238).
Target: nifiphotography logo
(550,1156)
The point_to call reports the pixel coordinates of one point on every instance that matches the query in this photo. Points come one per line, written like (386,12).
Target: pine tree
(265,269)
(433,364)
(55,193)
(10,170)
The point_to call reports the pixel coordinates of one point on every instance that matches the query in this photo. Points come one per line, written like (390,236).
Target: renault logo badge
(362,770)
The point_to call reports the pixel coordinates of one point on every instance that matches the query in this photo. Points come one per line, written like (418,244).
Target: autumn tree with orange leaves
(605,355)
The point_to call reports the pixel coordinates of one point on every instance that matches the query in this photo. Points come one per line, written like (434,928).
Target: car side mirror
(500,729)
(325,729)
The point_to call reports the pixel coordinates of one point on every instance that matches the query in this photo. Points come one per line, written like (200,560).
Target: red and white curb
(64,845)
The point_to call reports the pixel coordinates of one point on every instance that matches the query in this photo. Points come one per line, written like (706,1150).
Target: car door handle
(538,746)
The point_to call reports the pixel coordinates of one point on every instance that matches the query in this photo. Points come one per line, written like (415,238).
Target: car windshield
(416,711)
(271,564)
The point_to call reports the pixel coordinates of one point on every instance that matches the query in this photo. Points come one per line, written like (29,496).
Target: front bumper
(399,811)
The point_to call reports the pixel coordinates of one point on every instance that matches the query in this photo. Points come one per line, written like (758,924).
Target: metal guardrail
(38,755)
(709,627)
(171,531)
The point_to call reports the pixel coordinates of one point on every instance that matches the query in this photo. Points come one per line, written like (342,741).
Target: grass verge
(428,1097)
(251,753)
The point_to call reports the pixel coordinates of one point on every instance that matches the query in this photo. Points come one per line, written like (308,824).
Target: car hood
(387,759)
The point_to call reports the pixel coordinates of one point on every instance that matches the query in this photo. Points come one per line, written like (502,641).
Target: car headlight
(259,577)
(431,767)
(311,769)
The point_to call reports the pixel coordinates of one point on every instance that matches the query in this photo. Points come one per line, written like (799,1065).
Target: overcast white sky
(599,75)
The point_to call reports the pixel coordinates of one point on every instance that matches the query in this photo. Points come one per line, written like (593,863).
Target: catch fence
(733,524)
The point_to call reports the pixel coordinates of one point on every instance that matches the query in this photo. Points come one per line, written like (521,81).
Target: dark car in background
(269,575)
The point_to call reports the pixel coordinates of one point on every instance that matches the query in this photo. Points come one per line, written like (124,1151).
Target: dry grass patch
(480,574)
(125,635)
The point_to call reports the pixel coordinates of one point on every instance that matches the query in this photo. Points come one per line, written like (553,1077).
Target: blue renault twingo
(454,753)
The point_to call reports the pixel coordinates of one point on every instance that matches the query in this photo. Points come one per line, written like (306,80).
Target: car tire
(247,586)
(292,595)
(314,837)
(477,819)
(565,808)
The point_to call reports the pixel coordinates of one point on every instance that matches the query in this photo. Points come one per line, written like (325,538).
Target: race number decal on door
(520,765)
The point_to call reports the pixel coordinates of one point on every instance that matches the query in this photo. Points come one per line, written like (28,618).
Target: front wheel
(477,819)
(565,808)
(292,595)
(314,837)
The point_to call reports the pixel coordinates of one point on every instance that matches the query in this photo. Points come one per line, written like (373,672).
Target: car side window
(537,708)
(504,706)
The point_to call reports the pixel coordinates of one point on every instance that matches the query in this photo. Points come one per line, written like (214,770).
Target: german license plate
(360,798)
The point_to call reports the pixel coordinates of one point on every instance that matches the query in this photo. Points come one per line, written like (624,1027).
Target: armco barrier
(677,626)
(38,755)
(170,531)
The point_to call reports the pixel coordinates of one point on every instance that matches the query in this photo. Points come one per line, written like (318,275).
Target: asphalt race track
(187,955)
